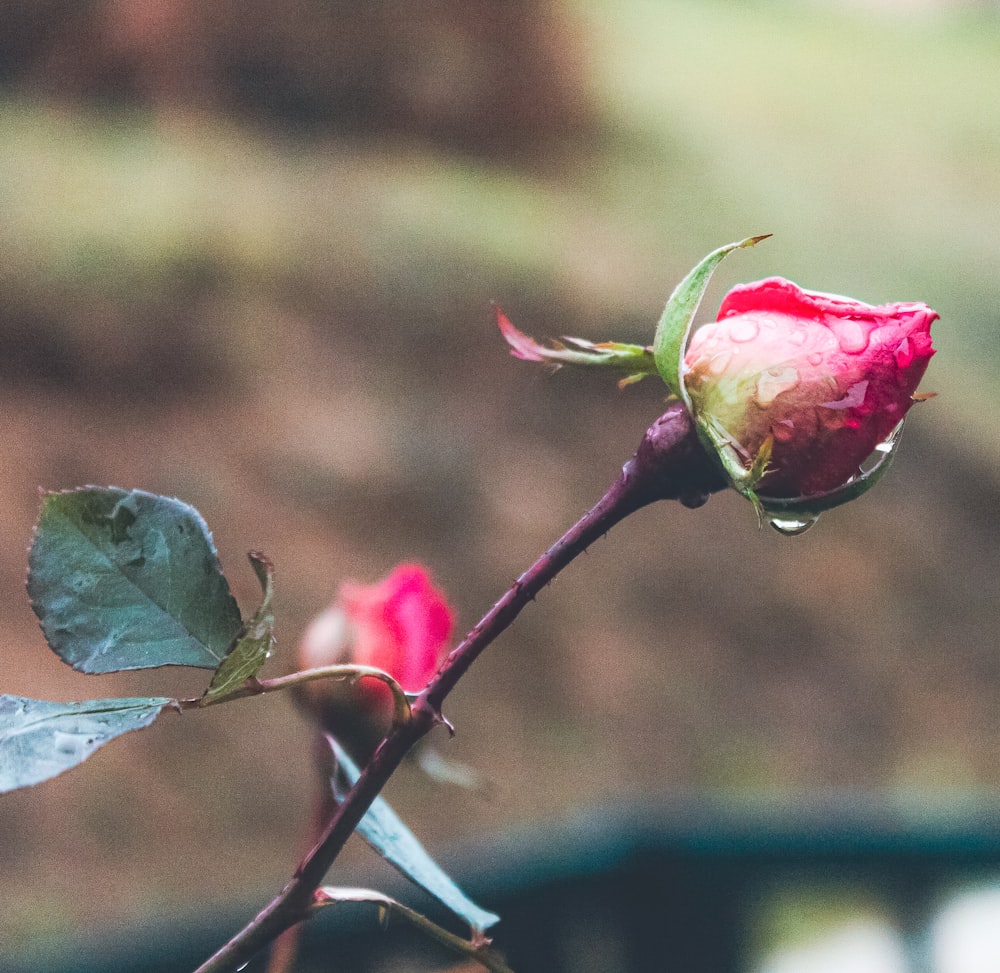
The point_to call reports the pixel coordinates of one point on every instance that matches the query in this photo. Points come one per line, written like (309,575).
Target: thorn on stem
(442,720)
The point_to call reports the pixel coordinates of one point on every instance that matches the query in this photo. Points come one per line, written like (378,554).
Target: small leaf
(635,361)
(386,833)
(675,323)
(478,951)
(251,649)
(129,580)
(40,739)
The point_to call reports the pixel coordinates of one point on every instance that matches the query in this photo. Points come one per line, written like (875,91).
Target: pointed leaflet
(386,833)
(129,580)
(40,739)
(672,332)
(635,361)
(251,649)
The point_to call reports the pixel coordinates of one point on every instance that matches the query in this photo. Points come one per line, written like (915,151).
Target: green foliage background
(289,327)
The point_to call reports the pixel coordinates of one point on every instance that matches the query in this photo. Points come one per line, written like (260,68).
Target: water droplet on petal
(743,329)
(853,398)
(783,430)
(773,382)
(816,358)
(904,353)
(792,527)
(720,362)
(852,336)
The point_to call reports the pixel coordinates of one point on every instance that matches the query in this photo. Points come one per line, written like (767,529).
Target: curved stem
(342,673)
(669,464)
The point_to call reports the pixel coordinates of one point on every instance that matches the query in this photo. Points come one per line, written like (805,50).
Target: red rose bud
(819,380)
(400,625)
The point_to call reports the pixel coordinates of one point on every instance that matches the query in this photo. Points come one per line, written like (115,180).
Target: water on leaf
(792,527)
(75,746)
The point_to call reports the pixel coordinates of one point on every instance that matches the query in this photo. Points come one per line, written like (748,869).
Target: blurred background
(249,252)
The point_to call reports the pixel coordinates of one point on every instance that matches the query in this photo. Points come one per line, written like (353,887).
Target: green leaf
(636,361)
(386,833)
(388,907)
(671,338)
(251,649)
(40,739)
(129,580)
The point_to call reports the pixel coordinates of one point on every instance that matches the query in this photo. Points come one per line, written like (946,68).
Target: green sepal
(253,645)
(671,338)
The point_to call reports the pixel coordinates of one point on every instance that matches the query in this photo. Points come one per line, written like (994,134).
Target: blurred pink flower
(401,625)
(828,378)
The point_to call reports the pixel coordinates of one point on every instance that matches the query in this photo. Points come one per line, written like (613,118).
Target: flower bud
(400,625)
(816,379)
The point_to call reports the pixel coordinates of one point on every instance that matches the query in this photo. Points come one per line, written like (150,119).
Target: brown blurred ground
(343,418)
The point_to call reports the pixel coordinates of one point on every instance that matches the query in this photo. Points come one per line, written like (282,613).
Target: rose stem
(668,465)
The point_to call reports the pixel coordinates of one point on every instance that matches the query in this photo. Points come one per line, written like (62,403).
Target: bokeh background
(249,253)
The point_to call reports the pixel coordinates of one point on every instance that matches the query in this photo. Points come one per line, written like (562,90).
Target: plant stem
(669,464)
(260,687)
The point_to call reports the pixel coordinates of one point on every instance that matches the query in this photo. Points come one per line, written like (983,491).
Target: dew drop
(743,329)
(904,353)
(719,363)
(853,398)
(783,430)
(852,336)
(70,745)
(792,527)
(816,358)
(775,381)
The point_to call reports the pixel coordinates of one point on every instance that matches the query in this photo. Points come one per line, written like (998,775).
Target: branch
(669,464)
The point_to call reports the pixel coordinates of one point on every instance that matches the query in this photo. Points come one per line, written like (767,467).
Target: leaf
(251,649)
(388,907)
(40,739)
(129,580)
(386,833)
(675,323)
(635,361)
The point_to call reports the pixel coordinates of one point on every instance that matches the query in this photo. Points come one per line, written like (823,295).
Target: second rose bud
(401,625)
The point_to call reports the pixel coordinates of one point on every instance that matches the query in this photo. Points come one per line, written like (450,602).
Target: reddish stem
(669,464)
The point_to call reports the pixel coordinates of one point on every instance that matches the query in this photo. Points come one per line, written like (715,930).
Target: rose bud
(816,379)
(400,625)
